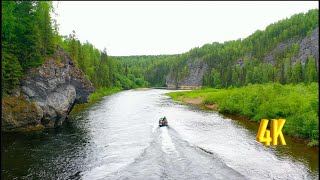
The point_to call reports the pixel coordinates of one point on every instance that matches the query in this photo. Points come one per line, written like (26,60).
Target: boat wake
(170,157)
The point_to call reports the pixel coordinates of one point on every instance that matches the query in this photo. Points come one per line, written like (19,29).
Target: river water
(119,138)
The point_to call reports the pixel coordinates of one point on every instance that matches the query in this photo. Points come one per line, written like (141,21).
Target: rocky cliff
(46,96)
(192,80)
(308,46)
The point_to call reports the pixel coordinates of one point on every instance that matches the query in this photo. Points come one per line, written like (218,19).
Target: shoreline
(94,98)
(198,102)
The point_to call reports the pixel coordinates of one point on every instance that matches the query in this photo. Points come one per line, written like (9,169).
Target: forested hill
(287,51)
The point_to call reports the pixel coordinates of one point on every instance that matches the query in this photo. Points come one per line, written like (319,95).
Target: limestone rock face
(53,89)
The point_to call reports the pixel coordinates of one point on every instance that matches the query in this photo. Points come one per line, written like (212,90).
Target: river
(119,138)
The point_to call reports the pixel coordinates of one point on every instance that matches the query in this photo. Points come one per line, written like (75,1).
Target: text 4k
(276,127)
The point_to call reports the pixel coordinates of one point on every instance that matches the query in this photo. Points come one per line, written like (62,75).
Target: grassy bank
(94,97)
(298,104)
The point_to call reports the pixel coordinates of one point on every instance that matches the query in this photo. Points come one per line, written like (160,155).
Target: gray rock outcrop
(308,46)
(51,90)
(193,80)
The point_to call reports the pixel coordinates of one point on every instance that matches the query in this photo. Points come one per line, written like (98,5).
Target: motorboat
(163,122)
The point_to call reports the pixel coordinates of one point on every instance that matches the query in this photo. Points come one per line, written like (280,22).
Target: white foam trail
(167,144)
(155,126)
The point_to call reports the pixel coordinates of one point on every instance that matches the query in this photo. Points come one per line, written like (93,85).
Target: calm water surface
(119,138)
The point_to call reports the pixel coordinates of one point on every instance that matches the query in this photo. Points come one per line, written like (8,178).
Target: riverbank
(98,95)
(95,97)
(298,104)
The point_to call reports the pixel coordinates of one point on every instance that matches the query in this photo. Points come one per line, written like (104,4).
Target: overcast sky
(152,28)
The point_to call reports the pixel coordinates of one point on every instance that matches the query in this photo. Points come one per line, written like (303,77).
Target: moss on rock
(19,114)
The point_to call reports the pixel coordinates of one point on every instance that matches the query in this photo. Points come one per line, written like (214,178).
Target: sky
(168,27)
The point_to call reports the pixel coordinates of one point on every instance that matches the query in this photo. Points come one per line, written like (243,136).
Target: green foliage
(46,32)
(298,104)
(314,143)
(216,79)
(27,38)
(297,74)
(154,69)
(11,72)
(311,70)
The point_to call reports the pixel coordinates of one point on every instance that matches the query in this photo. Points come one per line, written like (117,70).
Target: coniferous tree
(311,70)
(287,70)
(11,72)
(46,31)
(235,76)
(216,79)
(28,40)
(297,74)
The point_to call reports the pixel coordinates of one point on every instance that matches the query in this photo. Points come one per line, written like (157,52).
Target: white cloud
(141,28)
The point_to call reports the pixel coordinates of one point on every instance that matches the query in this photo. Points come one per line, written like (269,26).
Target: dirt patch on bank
(212,106)
(197,100)
(141,89)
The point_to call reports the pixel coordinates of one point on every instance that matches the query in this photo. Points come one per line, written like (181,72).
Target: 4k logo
(276,127)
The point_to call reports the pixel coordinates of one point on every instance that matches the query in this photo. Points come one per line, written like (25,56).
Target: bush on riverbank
(298,104)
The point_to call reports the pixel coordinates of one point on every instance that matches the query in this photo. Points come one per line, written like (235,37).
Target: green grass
(101,92)
(95,97)
(298,104)
(192,94)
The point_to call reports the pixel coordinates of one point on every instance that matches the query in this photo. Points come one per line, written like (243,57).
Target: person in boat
(165,120)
